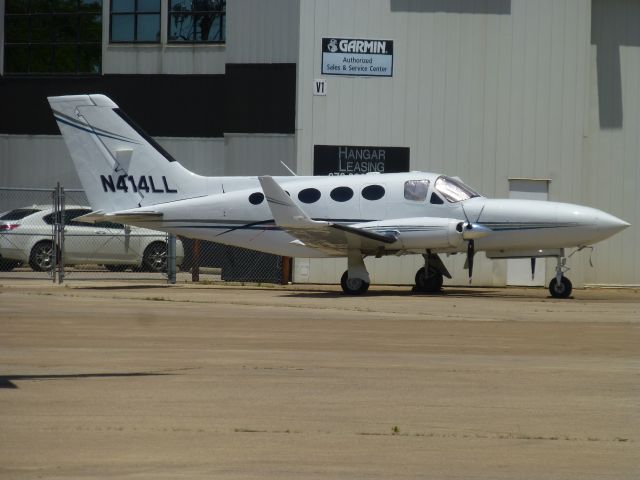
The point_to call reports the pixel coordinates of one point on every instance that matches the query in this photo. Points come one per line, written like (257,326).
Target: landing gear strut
(355,280)
(560,286)
(430,277)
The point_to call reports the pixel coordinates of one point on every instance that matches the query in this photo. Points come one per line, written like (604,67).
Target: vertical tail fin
(120,167)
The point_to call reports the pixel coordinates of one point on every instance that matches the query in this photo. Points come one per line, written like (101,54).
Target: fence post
(286,270)
(171,259)
(195,267)
(57,254)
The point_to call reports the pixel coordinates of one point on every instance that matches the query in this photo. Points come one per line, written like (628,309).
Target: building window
(135,21)
(53,36)
(197,21)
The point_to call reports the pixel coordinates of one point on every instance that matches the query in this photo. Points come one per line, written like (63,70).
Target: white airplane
(129,178)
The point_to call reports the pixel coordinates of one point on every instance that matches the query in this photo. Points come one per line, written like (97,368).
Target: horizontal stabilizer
(119,217)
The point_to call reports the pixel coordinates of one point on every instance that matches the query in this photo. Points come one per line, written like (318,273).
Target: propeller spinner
(470,231)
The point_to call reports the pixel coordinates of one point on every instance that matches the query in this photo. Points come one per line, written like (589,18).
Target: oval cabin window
(309,195)
(373,192)
(341,194)
(256,198)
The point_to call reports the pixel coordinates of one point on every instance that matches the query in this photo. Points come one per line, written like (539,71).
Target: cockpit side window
(454,190)
(435,199)
(416,190)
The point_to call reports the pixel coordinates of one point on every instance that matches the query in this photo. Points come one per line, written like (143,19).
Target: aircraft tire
(562,289)
(353,286)
(431,283)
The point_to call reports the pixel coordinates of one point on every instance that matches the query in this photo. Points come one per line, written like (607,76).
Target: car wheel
(41,258)
(155,257)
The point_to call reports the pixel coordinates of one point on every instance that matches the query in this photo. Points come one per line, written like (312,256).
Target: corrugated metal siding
(495,91)
(39,161)
(166,59)
(36,161)
(611,177)
(262,32)
(257,154)
(204,156)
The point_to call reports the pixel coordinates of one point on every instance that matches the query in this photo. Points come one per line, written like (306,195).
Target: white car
(26,237)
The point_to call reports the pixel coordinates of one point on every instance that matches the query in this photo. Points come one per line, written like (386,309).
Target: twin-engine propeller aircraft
(130,179)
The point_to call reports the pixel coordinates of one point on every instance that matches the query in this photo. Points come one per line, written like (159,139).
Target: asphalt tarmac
(140,380)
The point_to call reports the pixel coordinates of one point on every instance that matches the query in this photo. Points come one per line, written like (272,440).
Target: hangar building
(519,98)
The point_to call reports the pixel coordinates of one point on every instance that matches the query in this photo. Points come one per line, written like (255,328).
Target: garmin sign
(354,160)
(357,57)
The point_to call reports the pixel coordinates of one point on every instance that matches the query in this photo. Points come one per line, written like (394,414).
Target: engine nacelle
(420,233)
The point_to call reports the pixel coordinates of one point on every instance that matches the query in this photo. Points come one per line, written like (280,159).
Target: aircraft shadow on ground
(449,292)
(120,287)
(6,381)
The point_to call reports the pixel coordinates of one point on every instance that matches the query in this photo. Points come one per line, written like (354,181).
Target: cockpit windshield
(454,190)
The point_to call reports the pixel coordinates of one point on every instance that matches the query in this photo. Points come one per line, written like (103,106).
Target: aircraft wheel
(562,289)
(431,283)
(353,286)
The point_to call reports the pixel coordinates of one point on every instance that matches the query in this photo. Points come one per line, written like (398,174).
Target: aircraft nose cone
(609,223)
(604,224)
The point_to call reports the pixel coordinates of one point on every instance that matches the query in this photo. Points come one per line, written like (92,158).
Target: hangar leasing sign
(354,160)
(357,57)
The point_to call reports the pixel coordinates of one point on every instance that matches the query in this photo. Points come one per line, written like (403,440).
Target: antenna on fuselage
(288,169)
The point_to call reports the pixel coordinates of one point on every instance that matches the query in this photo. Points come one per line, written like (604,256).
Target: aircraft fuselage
(241,216)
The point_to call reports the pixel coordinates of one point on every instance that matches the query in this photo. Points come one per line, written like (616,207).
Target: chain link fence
(30,248)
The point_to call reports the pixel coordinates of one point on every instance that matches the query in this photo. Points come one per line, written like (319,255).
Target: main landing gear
(560,286)
(355,280)
(430,277)
(428,280)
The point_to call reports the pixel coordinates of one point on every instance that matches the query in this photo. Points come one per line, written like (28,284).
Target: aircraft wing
(119,217)
(328,237)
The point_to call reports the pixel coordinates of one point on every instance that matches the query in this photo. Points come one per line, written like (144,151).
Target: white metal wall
(487,91)
(262,32)
(258,154)
(611,177)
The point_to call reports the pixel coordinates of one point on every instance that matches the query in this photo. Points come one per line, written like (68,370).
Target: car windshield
(18,213)
(454,190)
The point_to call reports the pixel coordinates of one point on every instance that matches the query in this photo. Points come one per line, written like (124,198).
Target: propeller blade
(533,267)
(470,253)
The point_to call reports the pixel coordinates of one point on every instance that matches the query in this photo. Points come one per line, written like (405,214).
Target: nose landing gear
(560,286)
